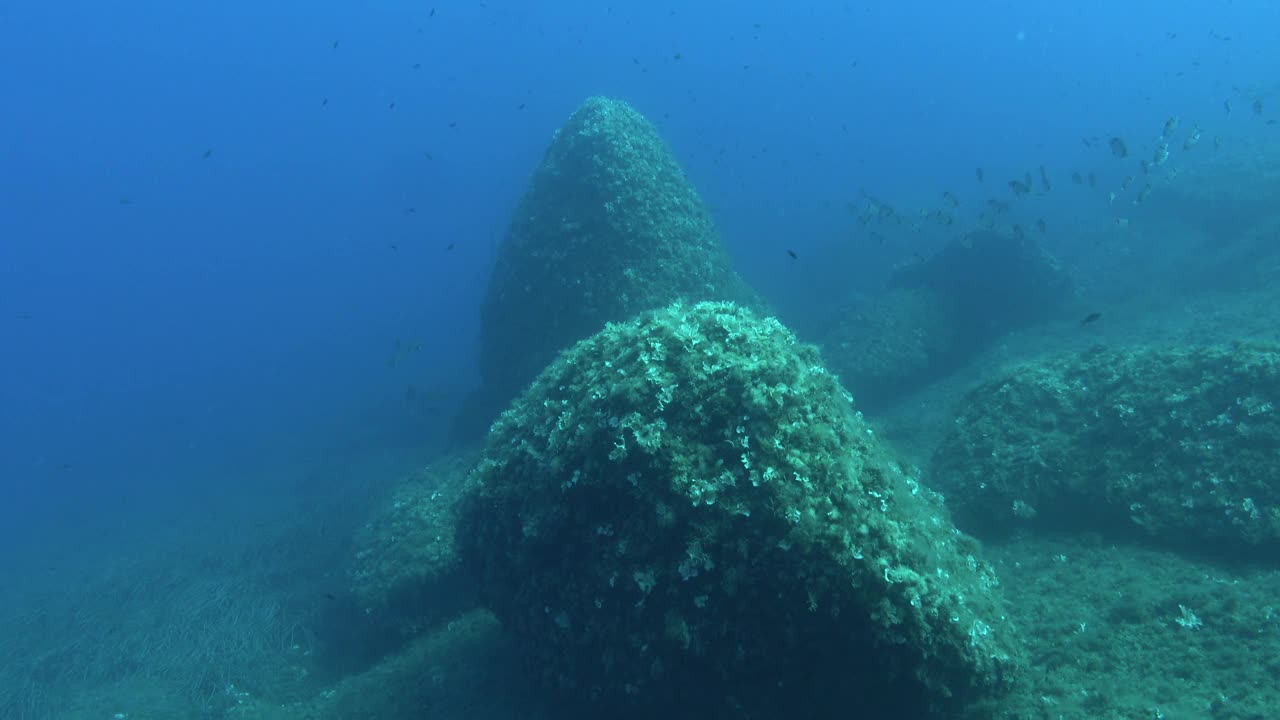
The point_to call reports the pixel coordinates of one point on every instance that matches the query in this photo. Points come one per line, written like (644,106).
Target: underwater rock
(885,345)
(462,668)
(609,227)
(1175,444)
(1222,198)
(405,574)
(684,513)
(937,314)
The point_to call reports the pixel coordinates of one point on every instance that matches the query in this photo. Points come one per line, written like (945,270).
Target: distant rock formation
(937,314)
(609,227)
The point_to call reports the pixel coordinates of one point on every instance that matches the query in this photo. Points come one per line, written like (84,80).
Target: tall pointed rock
(609,227)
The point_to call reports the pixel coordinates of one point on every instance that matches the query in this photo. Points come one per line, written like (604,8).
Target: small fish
(1111,197)
(428,156)
(1143,194)
(335,44)
(1146,167)
(1076,178)
(793,254)
(1217,142)
(1093,180)
(1091,318)
(1019,233)
(1124,185)
(1122,223)
(1041,226)
(1162,154)
(432,13)
(450,247)
(1118,148)
(1169,126)
(979,174)
(324,101)
(951,198)
(1226,105)
(1257,106)
(392,105)
(1192,139)
(1019,187)
(207,154)
(1044,179)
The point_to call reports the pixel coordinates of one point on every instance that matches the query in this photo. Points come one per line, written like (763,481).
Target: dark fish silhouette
(1091,318)
(1118,148)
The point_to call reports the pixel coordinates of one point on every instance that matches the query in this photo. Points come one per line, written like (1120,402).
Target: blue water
(217,219)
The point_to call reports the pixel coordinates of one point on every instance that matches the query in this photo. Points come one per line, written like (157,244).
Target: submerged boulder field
(609,227)
(1175,444)
(685,513)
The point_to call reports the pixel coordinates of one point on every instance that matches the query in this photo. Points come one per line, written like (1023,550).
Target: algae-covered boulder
(937,314)
(609,227)
(1179,444)
(685,513)
(885,345)
(406,573)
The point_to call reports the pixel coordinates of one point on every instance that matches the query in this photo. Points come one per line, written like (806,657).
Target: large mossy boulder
(609,227)
(1177,444)
(684,513)
(405,571)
